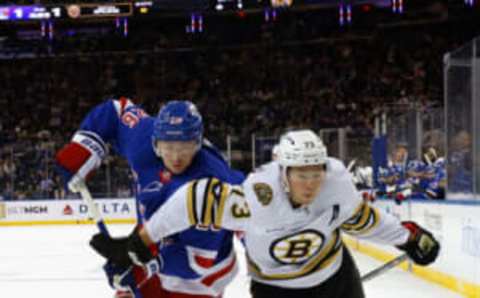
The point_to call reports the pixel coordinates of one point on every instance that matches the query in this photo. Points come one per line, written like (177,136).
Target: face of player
(305,183)
(400,155)
(178,155)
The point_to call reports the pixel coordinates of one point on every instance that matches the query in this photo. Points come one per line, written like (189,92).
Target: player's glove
(141,255)
(112,249)
(421,246)
(127,251)
(79,158)
(121,279)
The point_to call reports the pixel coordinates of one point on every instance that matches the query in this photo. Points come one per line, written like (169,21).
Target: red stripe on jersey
(153,287)
(204,262)
(150,288)
(209,280)
(123,104)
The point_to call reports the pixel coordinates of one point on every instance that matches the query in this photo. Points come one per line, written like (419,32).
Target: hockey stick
(94,212)
(385,267)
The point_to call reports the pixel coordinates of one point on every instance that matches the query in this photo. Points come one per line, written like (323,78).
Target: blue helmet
(178,120)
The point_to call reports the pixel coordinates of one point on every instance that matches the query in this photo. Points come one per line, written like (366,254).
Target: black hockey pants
(345,283)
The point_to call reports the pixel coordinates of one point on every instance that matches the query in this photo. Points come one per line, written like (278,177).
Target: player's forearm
(147,240)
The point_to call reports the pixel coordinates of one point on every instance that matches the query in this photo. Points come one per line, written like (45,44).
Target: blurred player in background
(393,179)
(428,175)
(164,152)
(292,212)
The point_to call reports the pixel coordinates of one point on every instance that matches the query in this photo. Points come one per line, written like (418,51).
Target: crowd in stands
(260,88)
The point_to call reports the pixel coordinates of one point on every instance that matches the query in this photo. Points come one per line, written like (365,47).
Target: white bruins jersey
(205,203)
(286,246)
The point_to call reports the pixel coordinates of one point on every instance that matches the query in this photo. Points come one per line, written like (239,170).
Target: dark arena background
(387,84)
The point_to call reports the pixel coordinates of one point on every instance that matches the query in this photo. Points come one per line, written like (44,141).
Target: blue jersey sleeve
(106,119)
(118,122)
(216,166)
(87,147)
(102,121)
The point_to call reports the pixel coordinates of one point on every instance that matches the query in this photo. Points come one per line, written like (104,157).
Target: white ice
(56,262)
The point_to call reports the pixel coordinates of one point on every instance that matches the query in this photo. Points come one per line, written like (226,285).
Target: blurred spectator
(252,79)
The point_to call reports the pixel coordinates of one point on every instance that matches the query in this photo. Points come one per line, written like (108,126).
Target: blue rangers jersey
(196,261)
(427,186)
(436,185)
(392,178)
(415,168)
(383,176)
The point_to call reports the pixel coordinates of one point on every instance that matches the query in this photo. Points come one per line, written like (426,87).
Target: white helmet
(301,148)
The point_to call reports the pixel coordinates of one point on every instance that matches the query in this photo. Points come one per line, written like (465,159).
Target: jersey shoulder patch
(263,192)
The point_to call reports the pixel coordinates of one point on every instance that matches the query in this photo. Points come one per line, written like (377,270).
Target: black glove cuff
(112,249)
(138,247)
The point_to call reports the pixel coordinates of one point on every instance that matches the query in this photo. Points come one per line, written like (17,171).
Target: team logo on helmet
(264,193)
(176,120)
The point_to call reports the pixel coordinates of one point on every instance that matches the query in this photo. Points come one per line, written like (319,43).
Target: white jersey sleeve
(202,203)
(357,217)
(369,222)
(365,221)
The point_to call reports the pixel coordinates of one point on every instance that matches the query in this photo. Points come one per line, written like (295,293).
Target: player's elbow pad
(80,157)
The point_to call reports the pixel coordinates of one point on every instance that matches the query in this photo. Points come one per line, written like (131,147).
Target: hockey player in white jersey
(292,212)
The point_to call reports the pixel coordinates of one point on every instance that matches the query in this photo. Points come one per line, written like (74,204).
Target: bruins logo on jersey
(297,248)
(307,250)
(264,193)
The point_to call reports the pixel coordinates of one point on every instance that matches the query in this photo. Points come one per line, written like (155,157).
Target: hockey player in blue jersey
(164,152)
(428,175)
(392,179)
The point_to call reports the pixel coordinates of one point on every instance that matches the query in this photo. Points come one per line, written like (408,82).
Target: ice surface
(56,262)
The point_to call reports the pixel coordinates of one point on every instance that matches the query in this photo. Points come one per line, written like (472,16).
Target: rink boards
(456,224)
(50,212)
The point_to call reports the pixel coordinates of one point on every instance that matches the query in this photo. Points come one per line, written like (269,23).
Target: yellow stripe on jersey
(363,220)
(191,205)
(359,218)
(322,260)
(208,200)
(221,201)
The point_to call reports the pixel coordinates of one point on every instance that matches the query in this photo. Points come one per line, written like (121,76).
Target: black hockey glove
(421,246)
(112,249)
(141,255)
(126,251)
